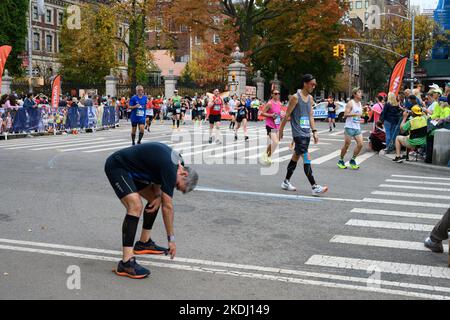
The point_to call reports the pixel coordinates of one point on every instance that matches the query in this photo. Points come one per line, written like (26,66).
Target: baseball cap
(416,110)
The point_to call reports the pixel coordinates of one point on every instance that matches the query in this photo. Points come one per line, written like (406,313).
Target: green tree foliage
(13,32)
(88,54)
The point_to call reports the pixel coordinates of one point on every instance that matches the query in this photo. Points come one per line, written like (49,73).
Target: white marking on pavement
(419,182)
(398,213)
(390,225)
(56,144)
(410,195)
(420,177)
(414,188)
(326,158)
(382,243)
(75,145)
(44,142)
(338,133)
(408,203)
(383,266)
(360,159)
(274,195)
(261,276)
(97,146)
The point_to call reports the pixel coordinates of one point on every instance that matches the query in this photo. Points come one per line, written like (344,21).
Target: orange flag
(397,76)
(56,92)
(4,53)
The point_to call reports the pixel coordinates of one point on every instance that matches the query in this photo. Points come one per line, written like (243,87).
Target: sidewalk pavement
(420,162)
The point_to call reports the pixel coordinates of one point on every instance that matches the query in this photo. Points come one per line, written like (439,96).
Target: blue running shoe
(132,270)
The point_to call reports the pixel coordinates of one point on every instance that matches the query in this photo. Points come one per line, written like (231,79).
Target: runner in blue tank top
(301,113)
(138,105)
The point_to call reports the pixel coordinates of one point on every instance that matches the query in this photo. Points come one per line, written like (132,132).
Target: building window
(121,58)
(159,25)
(358,4)
(351,5)
(49,43)
(185,58)
(216,21)
(197,41)
(120,32)
(60,18)
(49,16)
(36,41)
(216,39)
(367,4)
(35,14)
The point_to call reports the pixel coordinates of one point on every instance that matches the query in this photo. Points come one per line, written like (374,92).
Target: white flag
(41,7)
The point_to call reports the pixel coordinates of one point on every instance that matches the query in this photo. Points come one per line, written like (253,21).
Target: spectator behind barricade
(417,127)
(418,94)
(378,137)
(391,116)
(8,122)
(2,123)
(433,97)
(377,109)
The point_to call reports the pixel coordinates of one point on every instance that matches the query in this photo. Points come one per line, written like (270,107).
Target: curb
(419,164)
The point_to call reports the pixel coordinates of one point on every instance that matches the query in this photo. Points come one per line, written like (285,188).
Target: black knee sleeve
(149,218)
(291,168)
(309,173)
(141,135)
(129,228)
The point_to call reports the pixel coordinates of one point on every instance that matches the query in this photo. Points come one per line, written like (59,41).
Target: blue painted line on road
(260,194)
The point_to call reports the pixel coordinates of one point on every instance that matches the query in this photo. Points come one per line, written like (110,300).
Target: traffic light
(416,60)
(342,51)
(233,77)
(336,51)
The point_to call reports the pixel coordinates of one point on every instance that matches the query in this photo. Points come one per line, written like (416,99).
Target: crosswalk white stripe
(222,147)
(328,157)
(360,159)
(239,151)
(390,225)
(74,144)
(96,146)
(338,133)
(418,182)
(383,266)
(419,177)
(280,150)
(407,203)
(56,144)
(410,195)
(382,243)
(116,148)
(47,142)
(397,213)
(414,188)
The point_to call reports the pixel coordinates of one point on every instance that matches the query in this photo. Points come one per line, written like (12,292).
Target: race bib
(150,112)
(277,120)
(356,119)
(140,113)
(304,123)
(178,111)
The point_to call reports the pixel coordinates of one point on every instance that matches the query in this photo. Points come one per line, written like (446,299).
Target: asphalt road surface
(239,236)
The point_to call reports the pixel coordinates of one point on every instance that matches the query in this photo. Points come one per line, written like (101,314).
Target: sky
(425,4)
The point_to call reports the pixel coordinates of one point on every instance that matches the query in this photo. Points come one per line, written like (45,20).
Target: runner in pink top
(272,112)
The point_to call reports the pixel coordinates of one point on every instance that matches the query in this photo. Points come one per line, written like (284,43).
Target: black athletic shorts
(301,145)
(233,114)
(240,118)
(120,178)
(214,118)
(270,130)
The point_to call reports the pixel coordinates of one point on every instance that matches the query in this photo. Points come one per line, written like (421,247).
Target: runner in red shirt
(150,114)
(215,106)
(157,108)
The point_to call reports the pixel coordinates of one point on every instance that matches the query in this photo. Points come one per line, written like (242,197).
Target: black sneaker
(246,138)
(398,159)
(149,248)
(434,246)
(132,270)
(210,140)
(235,137)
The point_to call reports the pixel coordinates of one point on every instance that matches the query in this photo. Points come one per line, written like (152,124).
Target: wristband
(171,238)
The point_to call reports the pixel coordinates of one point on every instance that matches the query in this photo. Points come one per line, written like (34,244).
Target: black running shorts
(301,145)
(213,118)
(120,178)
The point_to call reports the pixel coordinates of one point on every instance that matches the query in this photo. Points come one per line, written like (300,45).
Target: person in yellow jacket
(418,129)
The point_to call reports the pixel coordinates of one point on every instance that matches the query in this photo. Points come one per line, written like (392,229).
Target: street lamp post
(30,47)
